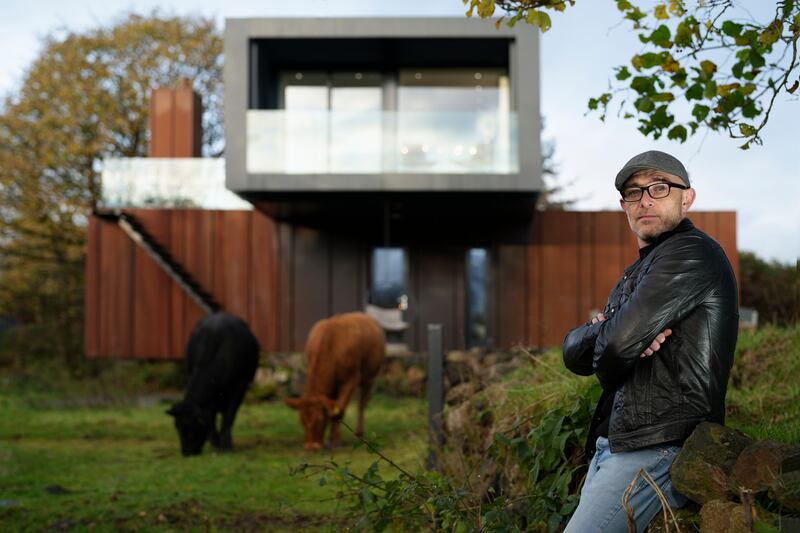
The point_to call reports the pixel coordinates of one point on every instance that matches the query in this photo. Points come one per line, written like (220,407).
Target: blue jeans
(600,507)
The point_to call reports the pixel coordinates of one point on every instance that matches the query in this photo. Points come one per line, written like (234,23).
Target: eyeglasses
(655,190)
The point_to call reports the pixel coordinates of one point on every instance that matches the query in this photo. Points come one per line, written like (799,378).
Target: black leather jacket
(683,281)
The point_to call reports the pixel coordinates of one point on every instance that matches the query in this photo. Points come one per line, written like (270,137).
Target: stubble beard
(650,231)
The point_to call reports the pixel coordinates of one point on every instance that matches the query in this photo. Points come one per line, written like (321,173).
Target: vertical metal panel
(201,247)
(178,336)
(630,245)
(720,226)
(116,287)
(560,273)
(286,284)
(533,300)
(151,299)
(727,239)
(91,343)
(459,300)
(310,287)
(197,243)
(162,123)
(264,286)
(701,221)
(347,283)
(187,128)
(509,301)
(586,268)
(232,266)
(609,239)
(435,288)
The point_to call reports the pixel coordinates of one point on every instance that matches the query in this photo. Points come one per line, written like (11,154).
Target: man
(662,349)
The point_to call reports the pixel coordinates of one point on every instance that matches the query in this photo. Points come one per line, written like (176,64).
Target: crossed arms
(674,284)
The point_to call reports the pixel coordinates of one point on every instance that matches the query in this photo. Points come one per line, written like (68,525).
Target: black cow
(221,360)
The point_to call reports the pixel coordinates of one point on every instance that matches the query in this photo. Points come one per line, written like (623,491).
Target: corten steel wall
(282,278)
(133,309)
(545,288)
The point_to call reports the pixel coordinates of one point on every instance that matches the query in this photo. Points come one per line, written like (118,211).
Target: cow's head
(193,425)
(315,411)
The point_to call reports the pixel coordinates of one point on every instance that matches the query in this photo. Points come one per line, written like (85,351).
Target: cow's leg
(345,392)
(364,395)
(213,436)
(336,433)
(228,416)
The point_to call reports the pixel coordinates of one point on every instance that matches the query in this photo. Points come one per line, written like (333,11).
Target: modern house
(384,162)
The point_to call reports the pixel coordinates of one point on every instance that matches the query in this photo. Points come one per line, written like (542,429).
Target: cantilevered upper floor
(380,105)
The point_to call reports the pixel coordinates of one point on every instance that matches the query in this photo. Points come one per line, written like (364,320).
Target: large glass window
(435,121)
(305,129)
(388,280)
(333,121)
(477,278)
(453,120)
(388,288)
(356,130)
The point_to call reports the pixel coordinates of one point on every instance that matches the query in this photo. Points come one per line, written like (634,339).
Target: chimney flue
(175,122)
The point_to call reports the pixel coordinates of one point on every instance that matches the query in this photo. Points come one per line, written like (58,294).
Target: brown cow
(344,352)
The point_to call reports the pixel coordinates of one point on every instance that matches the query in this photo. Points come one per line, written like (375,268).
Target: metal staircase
(137,232)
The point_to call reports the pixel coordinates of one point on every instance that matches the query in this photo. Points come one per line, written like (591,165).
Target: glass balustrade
(368,142)
(176,183)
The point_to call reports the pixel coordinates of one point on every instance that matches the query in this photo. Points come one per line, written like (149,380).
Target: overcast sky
(577,56)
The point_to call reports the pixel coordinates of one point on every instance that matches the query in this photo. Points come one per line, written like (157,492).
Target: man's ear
(689,196)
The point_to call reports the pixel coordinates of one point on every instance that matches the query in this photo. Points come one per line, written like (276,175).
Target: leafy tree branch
(706,64)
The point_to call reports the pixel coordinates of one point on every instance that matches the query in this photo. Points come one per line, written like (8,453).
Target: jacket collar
(683,225)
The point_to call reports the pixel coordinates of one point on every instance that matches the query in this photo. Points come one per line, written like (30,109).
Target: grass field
(97,452)
(119,468)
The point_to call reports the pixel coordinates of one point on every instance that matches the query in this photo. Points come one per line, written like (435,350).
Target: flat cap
(652,160)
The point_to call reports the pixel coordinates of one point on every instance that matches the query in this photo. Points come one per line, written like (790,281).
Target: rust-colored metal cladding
(559,275)
(177,297)
(533,304)
(231,276)
(586,271)
(721,226)
(115,282)
(285,294)
(263,285)
(152,292)
(91,323)
(575,258)
(281,278)
(136,310)
(175,122)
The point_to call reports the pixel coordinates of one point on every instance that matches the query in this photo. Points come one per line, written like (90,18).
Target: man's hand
(599,318)
(657,342)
